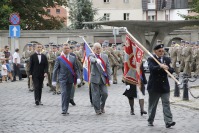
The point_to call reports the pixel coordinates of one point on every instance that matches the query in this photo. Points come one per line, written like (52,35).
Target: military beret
(159,41)
(29,44)
(77,45)
(91,45)
(193,43)
(186,42)
(113,45)
(104,44)
(158,46)
(46,45)
(72,46)
(182,41)
(173,42)
(54,45)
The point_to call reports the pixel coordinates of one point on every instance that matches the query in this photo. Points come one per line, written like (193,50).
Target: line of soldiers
(186,56)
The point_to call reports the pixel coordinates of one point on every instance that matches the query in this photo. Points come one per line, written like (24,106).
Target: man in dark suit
(38,70)
(67,71)
(158,86)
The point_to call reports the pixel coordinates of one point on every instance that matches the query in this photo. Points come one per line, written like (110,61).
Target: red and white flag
(132,61)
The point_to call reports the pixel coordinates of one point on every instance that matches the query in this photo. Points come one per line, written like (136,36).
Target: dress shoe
(65,113)
(72,102)
(132,112)
(79,85)
(168,125)
(143,112)
(98,112)
(102,110)
(150,124)
(114,82)
(54,93)
(58,92)
(37,103)
(83,83)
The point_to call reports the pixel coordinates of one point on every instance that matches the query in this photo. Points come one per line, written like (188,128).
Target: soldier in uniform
(193,62)
(196,57)
(181,55)
(26,57)
(118,58)
(52,56)
(173,55)
(79,63)
(187,59)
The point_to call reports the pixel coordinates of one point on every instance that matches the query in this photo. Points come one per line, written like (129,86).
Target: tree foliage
(82,11)
(194,8)
(5,11)
(33,14)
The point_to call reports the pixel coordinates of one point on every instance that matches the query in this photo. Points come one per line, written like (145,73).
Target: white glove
(99,61)
(54,83)
(110,82)
(78,81)
(128,87)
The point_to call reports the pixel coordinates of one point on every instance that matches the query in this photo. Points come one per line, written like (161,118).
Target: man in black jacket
(38,70)
(158,86)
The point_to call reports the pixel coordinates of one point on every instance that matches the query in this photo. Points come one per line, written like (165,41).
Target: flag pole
(145,50)
(91,51)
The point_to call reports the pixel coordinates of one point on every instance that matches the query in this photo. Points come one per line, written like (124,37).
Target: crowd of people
(63,66)
(10,65)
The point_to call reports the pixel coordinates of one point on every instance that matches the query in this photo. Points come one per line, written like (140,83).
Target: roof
(147,25)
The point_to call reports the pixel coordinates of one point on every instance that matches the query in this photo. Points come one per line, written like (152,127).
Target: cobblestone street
(18,113)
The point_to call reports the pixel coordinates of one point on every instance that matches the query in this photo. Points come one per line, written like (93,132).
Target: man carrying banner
(100,76)
(67,71)
(158,86)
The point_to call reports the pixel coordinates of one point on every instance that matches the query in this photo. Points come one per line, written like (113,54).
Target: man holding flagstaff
(67,71)
(158,86)
(100,76)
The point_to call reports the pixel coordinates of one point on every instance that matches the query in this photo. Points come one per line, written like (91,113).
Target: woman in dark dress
(131,93)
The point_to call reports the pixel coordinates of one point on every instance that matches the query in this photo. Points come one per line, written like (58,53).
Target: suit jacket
(38,69)
(63,73)
(96,70)
(158,79)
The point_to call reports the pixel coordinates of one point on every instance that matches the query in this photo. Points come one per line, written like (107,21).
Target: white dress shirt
(39,57)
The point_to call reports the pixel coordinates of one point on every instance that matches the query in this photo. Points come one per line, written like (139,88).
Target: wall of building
(91,36)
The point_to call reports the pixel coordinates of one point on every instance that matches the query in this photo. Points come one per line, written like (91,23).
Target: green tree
(33,14)
(194,8)
(5,11)
(81,11)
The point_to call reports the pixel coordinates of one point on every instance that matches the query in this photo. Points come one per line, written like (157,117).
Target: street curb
(186,106)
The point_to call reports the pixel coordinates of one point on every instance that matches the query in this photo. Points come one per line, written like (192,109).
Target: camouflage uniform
(26,57)
(52,56)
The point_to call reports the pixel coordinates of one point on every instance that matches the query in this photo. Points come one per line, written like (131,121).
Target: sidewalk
(192,103)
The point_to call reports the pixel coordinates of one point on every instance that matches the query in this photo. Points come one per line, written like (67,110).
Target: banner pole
(145,50)
(91,51)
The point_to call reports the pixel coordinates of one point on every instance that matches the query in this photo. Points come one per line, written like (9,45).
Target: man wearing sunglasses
(158,86)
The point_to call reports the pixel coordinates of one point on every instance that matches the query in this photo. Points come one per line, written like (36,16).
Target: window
(58,11)
(106,1)
(126,1)
(152,18)
(151,1)
(126,16)
(48,11)
(106,16)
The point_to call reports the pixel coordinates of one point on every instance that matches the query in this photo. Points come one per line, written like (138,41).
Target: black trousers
(38,85)
(16,71)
